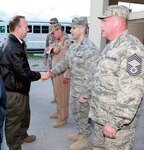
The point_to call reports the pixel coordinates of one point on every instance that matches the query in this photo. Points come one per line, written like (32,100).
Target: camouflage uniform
(48,57)
(117,92)
(49,41)
(78,59)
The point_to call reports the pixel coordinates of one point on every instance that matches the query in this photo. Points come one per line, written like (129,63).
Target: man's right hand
(56,50)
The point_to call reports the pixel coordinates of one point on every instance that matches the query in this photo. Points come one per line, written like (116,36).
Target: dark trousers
(17,120)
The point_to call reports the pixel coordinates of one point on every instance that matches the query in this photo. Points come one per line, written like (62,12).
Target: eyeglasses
(53,23)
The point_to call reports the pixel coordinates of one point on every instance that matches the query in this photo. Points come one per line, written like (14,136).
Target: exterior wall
(96,9)
(137,29)
(136,25)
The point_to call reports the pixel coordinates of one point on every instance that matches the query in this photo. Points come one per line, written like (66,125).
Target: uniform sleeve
(47,40)
(90,62)
(62,65)
(47,47)
(131,88)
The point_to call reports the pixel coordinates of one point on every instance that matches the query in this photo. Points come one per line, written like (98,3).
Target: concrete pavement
(48,138)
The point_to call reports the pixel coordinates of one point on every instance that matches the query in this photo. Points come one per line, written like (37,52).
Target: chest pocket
(79,58)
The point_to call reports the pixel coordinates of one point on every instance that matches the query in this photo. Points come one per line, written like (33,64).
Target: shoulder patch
(134,64)
(67,44)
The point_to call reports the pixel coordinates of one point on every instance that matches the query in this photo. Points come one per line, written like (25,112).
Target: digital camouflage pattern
(123,141)
(118,84)
(76,21)
(78,59)
(53,20)
(54,27)
(49,41)
(115,10)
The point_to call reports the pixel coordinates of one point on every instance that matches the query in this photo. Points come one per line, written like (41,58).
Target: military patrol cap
(54,27)
(53,20)
(77,21)
(115,10)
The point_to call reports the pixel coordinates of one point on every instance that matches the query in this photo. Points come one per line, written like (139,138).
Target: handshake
(46,75)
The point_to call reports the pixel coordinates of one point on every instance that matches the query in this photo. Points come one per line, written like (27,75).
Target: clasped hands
(46,75)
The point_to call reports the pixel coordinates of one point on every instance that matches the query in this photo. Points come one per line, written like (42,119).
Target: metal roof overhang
(133,1)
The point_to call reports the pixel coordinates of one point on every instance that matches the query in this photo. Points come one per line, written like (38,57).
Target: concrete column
(96,9)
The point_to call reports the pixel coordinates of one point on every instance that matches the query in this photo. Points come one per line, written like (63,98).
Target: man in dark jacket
(17,78)
(2,108)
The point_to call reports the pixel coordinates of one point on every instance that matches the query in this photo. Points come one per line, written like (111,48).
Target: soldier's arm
(131,89)
(62,65)
(90,64)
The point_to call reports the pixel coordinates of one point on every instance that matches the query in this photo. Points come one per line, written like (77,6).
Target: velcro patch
(134,64)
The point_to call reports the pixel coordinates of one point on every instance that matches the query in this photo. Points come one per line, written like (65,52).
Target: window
(68,28)
(45,29)
(7,28)
(62,28)
(30,28)
(36,29)
(2,29)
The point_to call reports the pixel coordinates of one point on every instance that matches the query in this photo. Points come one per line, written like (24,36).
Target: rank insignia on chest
(134,64)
